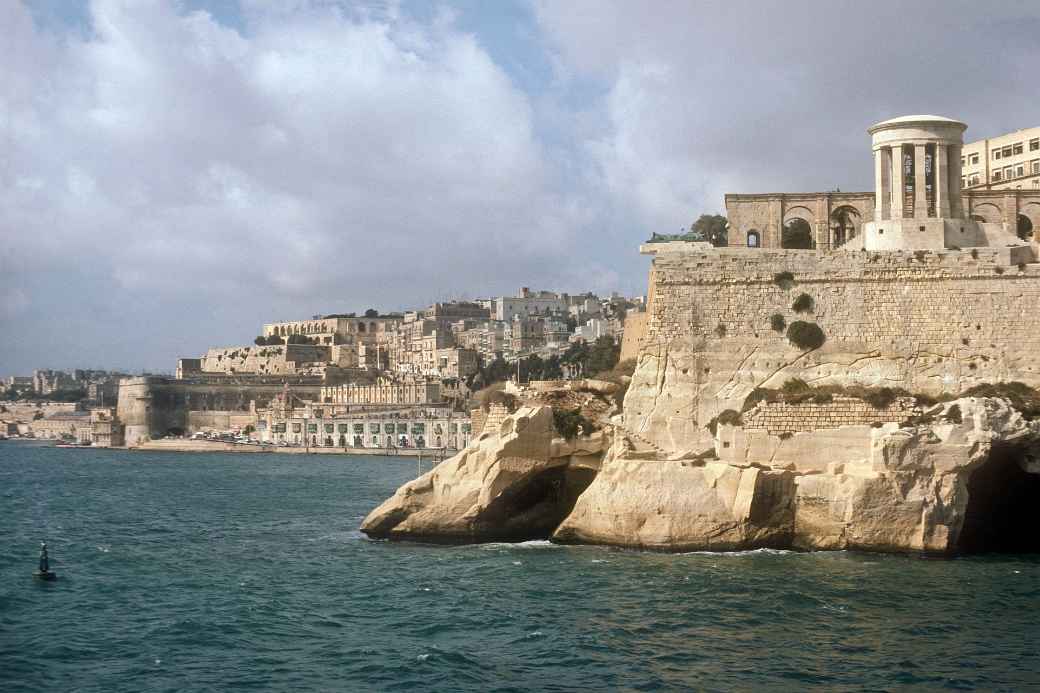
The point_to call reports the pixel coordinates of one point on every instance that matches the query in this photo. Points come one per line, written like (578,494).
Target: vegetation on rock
(803,304)
(777,322)
(570,422)
(805,335)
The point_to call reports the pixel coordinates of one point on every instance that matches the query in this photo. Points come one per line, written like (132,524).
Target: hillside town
(385,382)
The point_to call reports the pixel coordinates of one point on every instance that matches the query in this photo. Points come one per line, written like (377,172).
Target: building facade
(291,421)
(1007,162)
(917,202)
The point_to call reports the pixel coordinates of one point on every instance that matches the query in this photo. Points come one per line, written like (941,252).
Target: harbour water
(219,572)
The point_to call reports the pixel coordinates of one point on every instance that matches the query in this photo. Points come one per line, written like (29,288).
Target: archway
(754,240)
(845,222)
(1025,228)
(1002,506)
(986,212)
(797,234)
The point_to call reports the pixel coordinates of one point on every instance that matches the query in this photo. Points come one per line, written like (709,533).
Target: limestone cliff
(514,483)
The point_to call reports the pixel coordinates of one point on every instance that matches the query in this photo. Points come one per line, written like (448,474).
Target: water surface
(224,571)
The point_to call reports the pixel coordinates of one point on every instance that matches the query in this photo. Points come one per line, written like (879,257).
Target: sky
(174,174)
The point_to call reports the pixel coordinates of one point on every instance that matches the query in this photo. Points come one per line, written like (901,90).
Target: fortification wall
(935,322)
(151,407)
(264,360)
(781,418)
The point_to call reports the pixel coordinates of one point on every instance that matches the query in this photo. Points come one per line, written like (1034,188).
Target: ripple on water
(203,572)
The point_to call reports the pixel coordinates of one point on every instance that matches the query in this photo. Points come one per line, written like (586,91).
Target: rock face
(885,489)
(881,488)
(516,483)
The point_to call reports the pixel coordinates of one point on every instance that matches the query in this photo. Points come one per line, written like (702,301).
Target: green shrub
(805,335)
(919,254)
(953,414)
(974,254)
(569,422)
(784,280)
(720,330)
(803,304)
(777,322)
(998,270)
(1023,398)
(729,417)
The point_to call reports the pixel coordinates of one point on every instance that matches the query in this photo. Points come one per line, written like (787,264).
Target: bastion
(876,394)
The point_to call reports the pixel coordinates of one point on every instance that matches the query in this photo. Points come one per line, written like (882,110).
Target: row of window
(417,428)
(1015,149)
(1007,173)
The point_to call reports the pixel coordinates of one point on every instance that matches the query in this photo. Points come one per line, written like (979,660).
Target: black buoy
(45,572)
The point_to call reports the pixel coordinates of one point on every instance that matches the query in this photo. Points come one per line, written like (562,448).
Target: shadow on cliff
(1003,505)
(535,509)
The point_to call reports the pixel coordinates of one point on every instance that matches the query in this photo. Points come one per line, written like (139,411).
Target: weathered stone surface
(892,489)
(513,484)
(682,505)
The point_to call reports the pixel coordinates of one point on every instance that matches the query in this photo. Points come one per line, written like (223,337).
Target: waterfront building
(527,303)
(294,421)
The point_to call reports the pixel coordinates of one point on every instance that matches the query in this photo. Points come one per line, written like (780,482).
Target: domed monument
(917,186)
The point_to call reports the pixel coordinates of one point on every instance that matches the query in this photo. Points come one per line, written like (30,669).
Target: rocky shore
(889,487)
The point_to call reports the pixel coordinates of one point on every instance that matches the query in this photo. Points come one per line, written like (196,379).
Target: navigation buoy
(45,572)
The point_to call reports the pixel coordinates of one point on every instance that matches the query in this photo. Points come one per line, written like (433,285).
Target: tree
(371,313)
(552,370)
(603,355)
(711,228)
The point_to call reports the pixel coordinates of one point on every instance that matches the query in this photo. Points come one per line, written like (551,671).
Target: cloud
(171,178)
(318,159)
(707,98)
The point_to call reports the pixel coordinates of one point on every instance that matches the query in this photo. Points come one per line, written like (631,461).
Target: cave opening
(1003,506)
(534,509)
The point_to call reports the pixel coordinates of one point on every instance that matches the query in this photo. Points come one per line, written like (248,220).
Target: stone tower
(917,185)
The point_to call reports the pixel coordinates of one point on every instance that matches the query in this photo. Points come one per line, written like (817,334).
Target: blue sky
(173,174)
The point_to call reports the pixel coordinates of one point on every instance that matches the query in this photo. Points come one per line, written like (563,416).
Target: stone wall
(151,407)
(779,418)
(931,322)
(635,332)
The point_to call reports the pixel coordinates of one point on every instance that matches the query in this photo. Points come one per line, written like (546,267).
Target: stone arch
(1031,211)
(799,212)
(987,212)
(361,327)
(1024,227)
(846,223)
(754,239)
(797,234)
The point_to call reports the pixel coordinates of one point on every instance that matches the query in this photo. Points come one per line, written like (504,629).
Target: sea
(217,571)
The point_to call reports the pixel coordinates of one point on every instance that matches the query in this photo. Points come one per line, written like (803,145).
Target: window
(342,428)
(329,428)
(359,428)
(975,179)
(1005,152)
(1036,166)
(1017,149)
(996,176)
(752,239)
(296,428)
(964,182)
(975,159)
(1020,170)
(373,428)
(962,162)
(312,428)
(1007,173)
(1036,183)
(1034,145)
(996,154)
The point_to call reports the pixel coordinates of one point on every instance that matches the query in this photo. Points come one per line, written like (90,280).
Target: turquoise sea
(195,572)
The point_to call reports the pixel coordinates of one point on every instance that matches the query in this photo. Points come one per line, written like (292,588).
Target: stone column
(942,182)
(920,198)
(954,164)
(885,192)
(897,182)
(879,184)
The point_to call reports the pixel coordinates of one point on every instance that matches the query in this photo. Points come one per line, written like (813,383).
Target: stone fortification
(152,407)
(782,418)
(929,322)
(292,359)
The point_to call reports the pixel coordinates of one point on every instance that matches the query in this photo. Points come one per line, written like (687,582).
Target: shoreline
(215,446)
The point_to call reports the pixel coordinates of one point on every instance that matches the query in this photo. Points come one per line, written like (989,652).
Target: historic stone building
(917,166)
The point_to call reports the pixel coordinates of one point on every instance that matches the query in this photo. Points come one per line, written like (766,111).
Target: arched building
(917,204)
